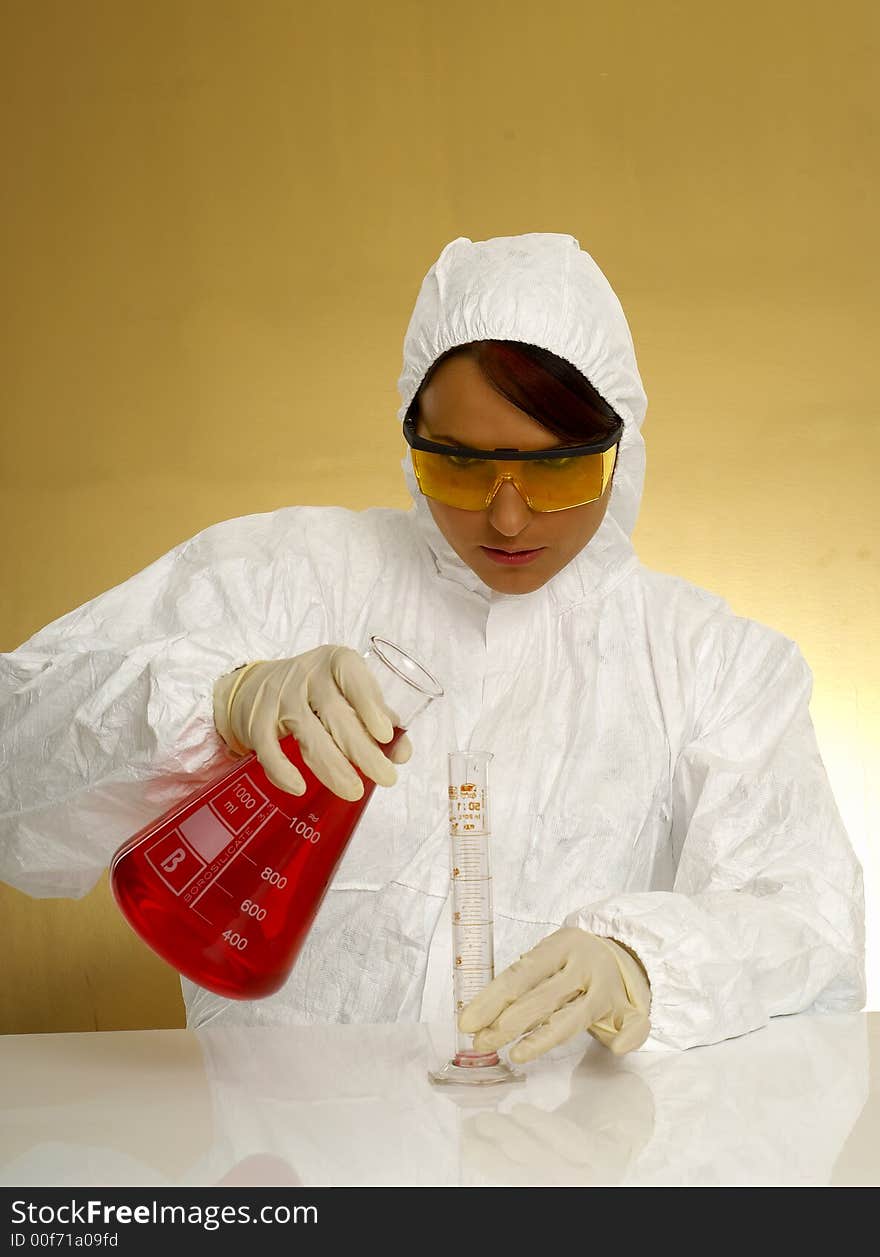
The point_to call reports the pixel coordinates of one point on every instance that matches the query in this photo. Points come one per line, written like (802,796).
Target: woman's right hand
(331,703)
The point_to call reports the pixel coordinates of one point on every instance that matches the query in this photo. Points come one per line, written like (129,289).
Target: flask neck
(407,687)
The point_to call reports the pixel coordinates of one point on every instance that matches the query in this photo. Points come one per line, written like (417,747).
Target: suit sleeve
(106,715)
(766,914)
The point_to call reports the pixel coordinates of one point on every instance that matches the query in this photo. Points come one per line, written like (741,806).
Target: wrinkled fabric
(656,776)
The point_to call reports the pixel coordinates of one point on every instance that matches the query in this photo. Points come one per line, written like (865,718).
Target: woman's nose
(508,511)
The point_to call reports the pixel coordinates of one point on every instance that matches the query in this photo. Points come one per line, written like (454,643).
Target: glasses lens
(559,483)
(453,480)
(553,484)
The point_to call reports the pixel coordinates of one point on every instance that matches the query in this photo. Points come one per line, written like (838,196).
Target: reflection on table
(351,1105)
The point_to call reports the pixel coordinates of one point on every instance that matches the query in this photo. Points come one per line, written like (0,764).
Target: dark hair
(548,388)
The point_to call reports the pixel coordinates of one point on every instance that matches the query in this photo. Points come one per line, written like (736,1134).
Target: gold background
(216,220)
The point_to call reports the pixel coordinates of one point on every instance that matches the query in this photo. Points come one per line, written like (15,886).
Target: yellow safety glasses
(548,480)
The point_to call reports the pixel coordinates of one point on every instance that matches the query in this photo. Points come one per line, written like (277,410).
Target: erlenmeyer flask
(225,886)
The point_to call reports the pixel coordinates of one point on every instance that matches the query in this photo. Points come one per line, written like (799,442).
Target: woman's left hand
(571,981)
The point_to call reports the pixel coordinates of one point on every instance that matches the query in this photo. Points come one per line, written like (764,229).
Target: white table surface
(796,1103)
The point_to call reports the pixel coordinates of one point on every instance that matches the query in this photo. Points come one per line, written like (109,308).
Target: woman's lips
(514,558)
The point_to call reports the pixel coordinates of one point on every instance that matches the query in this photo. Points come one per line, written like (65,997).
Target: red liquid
(225,887)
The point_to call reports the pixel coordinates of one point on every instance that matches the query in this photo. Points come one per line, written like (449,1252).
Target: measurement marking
(201,914)
(225,891)
(235,855)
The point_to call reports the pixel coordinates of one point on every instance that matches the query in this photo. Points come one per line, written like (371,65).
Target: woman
(668,854)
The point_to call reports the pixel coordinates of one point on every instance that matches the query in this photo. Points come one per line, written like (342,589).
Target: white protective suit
(656,777)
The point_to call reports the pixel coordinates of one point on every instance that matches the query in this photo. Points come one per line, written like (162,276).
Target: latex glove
(331,703)
(571,981)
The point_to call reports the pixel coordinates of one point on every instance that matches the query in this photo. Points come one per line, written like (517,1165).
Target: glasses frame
(504,453)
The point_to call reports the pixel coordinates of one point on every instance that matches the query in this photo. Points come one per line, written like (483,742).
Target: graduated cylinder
(473,941)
